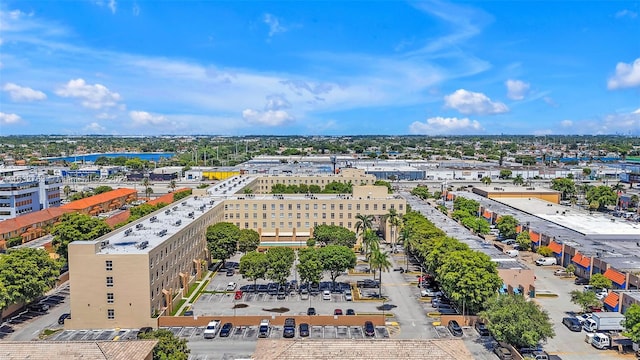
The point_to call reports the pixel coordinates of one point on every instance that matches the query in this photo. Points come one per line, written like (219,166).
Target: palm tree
(370,241)
(619,189)
(172,185)
(364,222)
(405,237)
(66,190)
(518,180)
(394,221)
(380,261)
(486,180)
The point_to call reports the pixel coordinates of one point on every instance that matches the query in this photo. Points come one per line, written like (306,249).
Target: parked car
(581,281)
(560,272)
(455,328)
(63,317)
(289,329)
(326,295)
(303,330)
(430,292)
(369,329)
(225,330)
(311,311)
(337,312)
(230,272)
(264,329)
(231,286)
(368,283)
(211,329)
(583,318)
(38,307)
(503,352)
(572,324)
(508,241)
(348,296)
(350,312)
(481,328)
(546,261)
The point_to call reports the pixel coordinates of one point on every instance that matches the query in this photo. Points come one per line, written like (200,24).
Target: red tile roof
(27,220)
(555,247)
(612,299)
(615,276)
(106,197)
(535,237)
(581,260)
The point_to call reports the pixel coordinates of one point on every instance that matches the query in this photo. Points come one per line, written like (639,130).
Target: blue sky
(319,68)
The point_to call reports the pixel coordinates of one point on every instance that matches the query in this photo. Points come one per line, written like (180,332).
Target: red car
(337,312)
(238,295)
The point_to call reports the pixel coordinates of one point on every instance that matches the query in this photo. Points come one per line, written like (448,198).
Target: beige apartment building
(130,276)
(347,175)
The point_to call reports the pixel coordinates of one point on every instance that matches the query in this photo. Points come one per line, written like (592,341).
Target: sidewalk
(196,292)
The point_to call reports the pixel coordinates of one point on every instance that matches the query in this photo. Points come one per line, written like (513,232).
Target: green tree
(524,241)
(309,266)
(66,190)
(505,174)
(280,261)
(421,191)
(248,240)
(395,220)
(172,185)
(521,323)
(134,164)
(380,261)
(566,186)
(486,180)
(336,259)
(601,196)
(468,206)
(384,183)
(363,223)
(507,226)
(600,281)
(438,250)
(586,172)
(102,189)
(334,235)
(254,266)
(518,180)
(75,227)
(26,274)
(222,240)
(470,278)
(545,251)
(632,323)
(370,241)
(571,269)
(169,347)
(478,225)
(584,299)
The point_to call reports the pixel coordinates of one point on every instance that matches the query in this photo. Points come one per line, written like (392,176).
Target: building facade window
(111,314)
(108,265)
(110,298)
(109,281)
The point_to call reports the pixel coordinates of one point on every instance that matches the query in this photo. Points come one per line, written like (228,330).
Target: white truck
(604,321)
(608,341)
(546,261)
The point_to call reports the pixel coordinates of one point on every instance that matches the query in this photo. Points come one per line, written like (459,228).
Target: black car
(289,330)
(350,312)
(39,307)
(455,328)
(481,328)
(230,272)
(225,330)
(581,281)
(572,324)
(369,329)
(303,330)
(63,317)
(311,311)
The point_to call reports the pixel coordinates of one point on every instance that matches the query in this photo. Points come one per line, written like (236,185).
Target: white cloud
(113,6)
(445,126)
(267,118)
(94,128)
(468,102)
(277,102)
(19,93)
(141,118)
(637,112)
(566,123)
(549,100)
(105,116)
(542,132)
(93,96)
(516,89)
(136,9)
(274,24)
(626,13)
(627,75)
(8,119)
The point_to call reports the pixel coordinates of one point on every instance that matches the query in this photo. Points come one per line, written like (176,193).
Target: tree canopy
(280,260)
(254,265)
(507,225)
(76,227)
(513,319)
(336,259)
(248,240)
(334,235)
(169,347)
(25,275)
(309,267)
(601,196)
(600,281)
(566,186)
(584,299)
(222,240)
(632,323)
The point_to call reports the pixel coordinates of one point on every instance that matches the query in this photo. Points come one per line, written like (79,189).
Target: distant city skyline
(319,68)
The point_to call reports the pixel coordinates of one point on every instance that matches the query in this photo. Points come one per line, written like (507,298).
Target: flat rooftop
(593,224)
(515,189)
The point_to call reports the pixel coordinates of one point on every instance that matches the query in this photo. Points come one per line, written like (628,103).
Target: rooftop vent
(139,226)
(167,212)
(153,219)
(162,232)
(178,223)
(103,244)
(143,245)
(184,203)
(191,214)
(128,232)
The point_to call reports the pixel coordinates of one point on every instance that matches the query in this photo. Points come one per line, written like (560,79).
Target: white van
(545,261)
(212,329)
(264,329)
(512,253)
